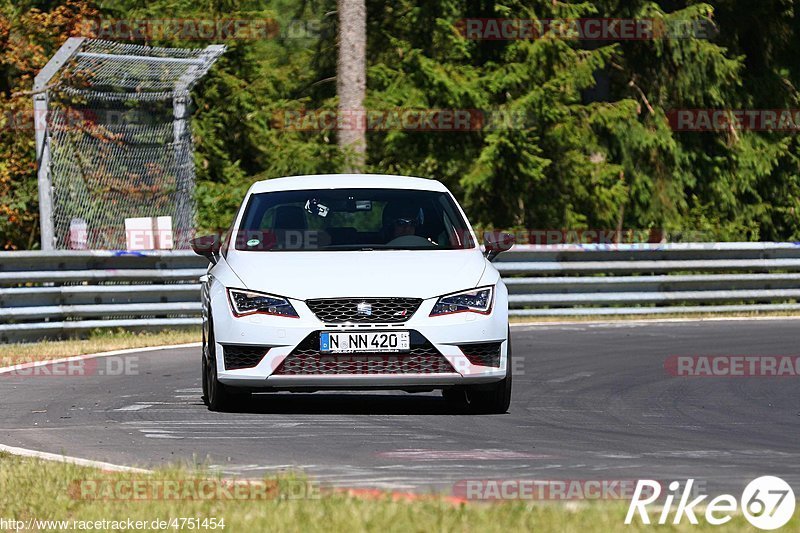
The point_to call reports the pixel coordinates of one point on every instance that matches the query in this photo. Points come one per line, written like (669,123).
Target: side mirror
(495,243)
(207,246)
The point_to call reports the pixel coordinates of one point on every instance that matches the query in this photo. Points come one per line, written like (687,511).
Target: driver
(401,220)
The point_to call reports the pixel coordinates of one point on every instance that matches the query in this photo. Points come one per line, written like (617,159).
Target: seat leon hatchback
(353,282)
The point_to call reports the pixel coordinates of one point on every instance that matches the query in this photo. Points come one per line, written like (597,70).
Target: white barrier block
(149,233)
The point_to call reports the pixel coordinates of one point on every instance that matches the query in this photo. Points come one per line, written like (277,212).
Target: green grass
(96,341)
(42,490)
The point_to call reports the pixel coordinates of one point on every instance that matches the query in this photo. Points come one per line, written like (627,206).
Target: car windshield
(352,219)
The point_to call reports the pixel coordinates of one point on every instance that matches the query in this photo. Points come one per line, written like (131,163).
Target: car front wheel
(495,398)
(215,394)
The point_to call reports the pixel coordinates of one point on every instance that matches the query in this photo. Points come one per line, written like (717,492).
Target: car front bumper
(283,335)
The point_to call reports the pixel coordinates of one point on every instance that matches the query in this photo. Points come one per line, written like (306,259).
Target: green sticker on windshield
(253,242)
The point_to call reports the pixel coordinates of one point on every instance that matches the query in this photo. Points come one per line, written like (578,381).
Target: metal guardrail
(48,294)
(53,294)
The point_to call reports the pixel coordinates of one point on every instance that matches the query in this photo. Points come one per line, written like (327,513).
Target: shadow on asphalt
(349,404)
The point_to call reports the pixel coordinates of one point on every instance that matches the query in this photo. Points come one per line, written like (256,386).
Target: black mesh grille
(239,356)
(306,359)
(485,354)
(381,310)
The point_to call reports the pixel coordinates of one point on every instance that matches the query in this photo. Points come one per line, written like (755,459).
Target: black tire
(455,396)
(216,395)
(495,398)
(204,365)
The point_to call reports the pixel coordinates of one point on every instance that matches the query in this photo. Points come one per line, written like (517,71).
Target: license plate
(372,342)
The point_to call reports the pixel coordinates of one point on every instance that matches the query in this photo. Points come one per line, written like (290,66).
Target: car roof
(345,181)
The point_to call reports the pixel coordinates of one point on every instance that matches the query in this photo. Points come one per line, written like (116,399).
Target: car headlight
(472,301)
(246,303)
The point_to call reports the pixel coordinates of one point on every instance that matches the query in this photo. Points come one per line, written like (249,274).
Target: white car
(354,282)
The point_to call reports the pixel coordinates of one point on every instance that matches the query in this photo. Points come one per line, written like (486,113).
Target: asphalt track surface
(590,402)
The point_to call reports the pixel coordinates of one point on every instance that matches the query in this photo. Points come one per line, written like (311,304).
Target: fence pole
(40,116)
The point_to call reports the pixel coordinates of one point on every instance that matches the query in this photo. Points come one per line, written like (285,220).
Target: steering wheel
(410,240)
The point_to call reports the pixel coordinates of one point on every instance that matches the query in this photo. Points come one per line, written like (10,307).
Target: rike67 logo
(767,503)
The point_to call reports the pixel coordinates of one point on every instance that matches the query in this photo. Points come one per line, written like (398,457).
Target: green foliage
(577,163)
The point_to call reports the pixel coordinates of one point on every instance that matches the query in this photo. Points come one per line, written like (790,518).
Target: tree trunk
(351,82)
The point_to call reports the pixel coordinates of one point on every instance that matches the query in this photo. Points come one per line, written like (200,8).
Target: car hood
(406,273)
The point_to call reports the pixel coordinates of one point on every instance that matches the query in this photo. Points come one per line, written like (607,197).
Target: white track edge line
(24,452)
